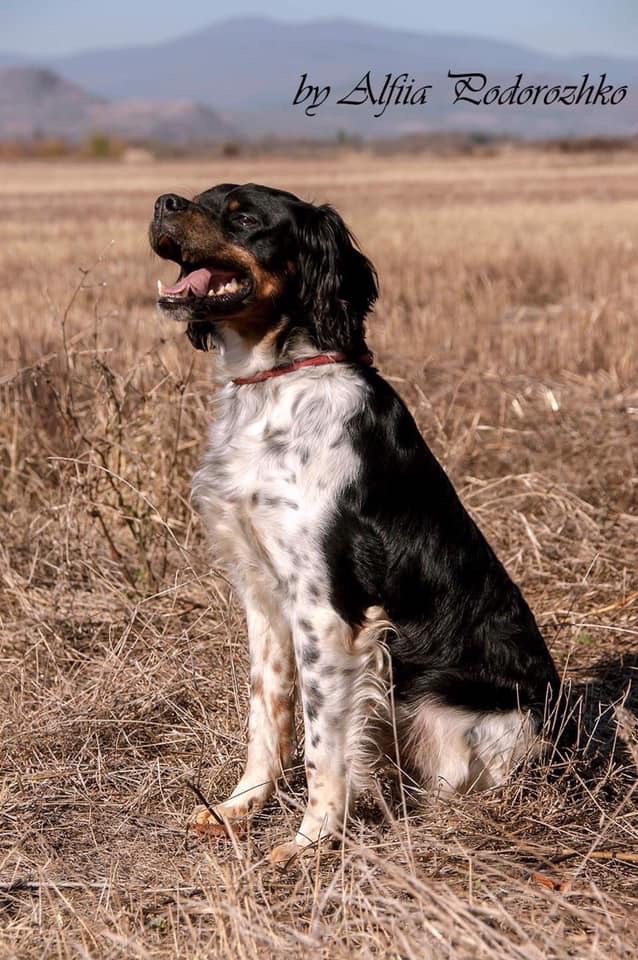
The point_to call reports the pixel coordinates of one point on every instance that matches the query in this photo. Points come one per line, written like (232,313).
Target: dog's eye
(244,220)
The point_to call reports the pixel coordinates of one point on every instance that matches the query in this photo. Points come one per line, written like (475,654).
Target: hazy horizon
(33,28)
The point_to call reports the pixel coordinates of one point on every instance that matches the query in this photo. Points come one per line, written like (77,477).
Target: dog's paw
(216,822)
(286,853)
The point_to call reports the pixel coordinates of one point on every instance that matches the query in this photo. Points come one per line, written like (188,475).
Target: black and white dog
(366,584)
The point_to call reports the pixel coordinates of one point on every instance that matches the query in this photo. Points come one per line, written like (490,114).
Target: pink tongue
(199,282)
(196,283)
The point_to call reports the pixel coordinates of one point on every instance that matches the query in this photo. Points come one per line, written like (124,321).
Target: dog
(367,587)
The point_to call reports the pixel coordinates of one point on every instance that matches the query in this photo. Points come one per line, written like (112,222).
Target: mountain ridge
(248,69)
(37,102)
(261,20)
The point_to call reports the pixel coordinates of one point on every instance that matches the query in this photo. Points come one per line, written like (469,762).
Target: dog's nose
(169,203)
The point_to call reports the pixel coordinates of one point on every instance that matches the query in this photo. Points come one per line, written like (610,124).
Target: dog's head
(257,259)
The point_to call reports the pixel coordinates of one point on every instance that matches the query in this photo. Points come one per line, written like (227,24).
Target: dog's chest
(279,454)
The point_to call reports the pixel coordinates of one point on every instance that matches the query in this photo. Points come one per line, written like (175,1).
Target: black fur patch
(401,539)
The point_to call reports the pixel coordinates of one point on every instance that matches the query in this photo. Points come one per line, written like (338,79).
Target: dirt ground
(508,322)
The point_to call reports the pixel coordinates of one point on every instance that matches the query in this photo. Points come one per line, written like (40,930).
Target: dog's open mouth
(205,282)
(219,286)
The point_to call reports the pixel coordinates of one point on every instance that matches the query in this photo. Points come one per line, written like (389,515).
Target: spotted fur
(278,456)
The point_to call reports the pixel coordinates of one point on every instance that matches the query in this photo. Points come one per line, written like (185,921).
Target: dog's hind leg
(454,749)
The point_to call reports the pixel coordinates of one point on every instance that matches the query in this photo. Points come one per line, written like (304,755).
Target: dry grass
(508,318)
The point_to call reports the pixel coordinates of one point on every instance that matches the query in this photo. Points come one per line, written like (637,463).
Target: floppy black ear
(338,284)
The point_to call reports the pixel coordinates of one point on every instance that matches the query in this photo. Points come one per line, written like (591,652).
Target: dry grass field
(508,322)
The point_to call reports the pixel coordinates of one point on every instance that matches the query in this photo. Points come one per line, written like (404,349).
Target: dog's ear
(200,335)
(337,283)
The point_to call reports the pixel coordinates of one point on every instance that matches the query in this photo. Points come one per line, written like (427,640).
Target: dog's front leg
(272,704)
(328,668)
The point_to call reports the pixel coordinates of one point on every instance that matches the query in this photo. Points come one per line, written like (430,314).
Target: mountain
(37,101)
(250,68)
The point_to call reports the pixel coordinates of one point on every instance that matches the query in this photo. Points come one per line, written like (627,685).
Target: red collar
(366,359)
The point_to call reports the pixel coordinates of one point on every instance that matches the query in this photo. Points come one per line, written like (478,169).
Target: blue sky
(556,26)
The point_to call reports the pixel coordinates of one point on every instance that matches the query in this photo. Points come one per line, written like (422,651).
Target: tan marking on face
(202,241)
(267,285)
(270,287)
(234,205)
(199,237)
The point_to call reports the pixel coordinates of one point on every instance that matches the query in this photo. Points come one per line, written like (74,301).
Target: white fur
(454,749)
(261,501)
(277,460)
